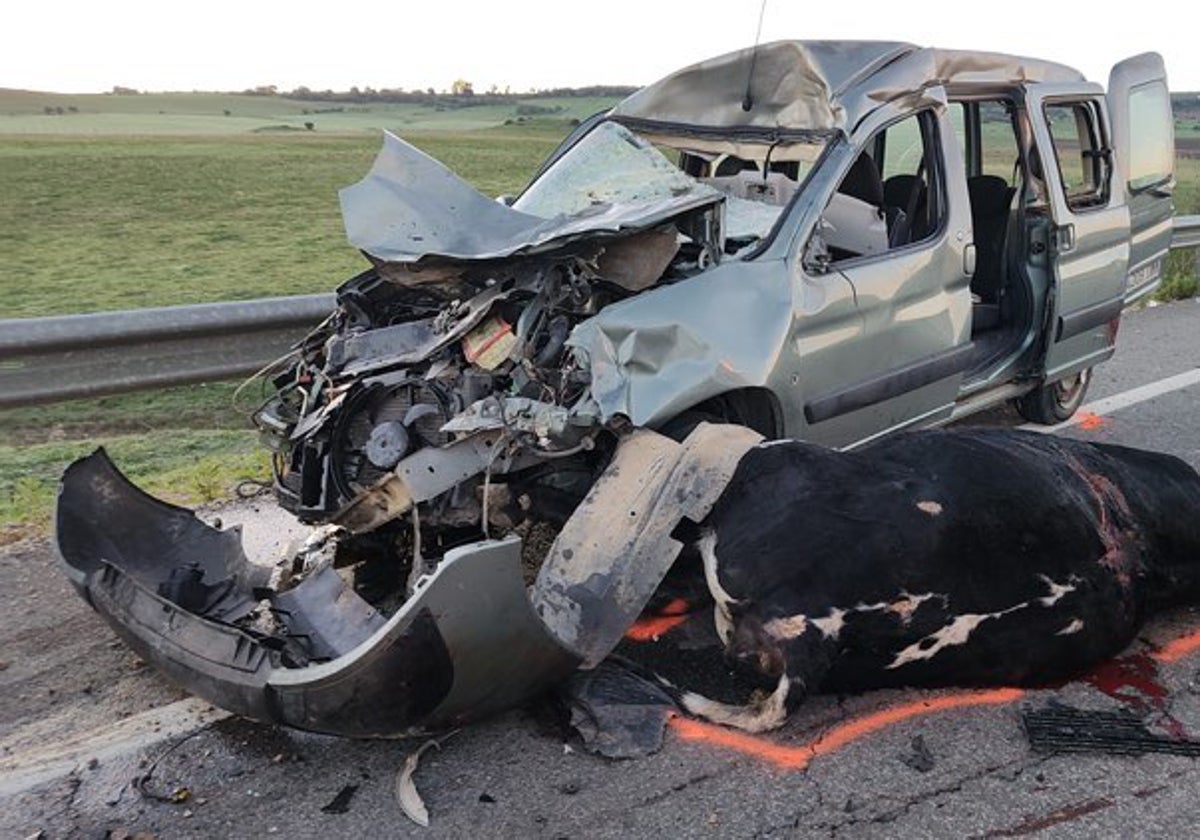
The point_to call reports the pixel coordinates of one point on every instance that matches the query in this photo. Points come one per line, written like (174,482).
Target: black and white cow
(967,557)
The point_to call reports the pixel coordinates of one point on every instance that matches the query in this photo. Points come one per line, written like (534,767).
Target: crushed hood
(410,206)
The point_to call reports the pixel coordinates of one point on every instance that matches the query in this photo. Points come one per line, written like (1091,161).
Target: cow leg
(791,653)
(760,715)
(798,664)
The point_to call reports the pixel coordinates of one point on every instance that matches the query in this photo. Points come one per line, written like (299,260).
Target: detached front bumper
(466,644)
(470,641)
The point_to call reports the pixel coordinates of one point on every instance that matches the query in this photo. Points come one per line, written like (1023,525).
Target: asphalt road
(80,717)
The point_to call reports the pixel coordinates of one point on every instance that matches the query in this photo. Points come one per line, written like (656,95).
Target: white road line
(1125,399)
(55,757)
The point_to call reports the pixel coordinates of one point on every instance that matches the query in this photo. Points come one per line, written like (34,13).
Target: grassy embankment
(1182,277)
(90,221)
(163,199)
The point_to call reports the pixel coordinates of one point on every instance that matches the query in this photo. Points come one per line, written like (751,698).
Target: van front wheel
(1056,402)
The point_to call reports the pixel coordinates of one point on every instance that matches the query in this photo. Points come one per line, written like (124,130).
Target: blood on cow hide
(961,557)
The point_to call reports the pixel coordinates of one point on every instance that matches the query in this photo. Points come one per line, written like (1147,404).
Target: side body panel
(879,343)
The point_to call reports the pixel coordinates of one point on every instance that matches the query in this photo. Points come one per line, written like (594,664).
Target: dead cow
(973,557)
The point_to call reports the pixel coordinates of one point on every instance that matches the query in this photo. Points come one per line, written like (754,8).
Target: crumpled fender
(616,548)
(471,640)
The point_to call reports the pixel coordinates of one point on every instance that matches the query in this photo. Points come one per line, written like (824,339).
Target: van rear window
(1151,136)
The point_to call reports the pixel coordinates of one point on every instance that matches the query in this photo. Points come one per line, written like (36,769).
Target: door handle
(1062,238)
(969,259)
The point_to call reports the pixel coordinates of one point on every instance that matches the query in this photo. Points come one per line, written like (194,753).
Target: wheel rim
(1069,391)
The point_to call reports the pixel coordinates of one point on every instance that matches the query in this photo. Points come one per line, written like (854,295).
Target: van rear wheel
(1056,402)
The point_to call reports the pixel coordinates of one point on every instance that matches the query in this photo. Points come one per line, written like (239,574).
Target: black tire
(1054,403)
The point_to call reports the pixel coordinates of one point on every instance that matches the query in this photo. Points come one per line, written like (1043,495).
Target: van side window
(999,154)
(1083,157)
(1151,127)
(892,195)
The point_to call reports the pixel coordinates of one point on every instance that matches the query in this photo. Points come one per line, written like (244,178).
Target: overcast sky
(87,46)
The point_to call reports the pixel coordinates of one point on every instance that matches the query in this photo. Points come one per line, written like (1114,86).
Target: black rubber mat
(1061,728)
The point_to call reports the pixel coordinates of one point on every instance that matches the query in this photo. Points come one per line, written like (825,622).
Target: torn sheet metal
(614,551)
(410,206)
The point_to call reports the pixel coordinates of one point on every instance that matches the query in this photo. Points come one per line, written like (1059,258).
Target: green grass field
(119,223)
(111,209)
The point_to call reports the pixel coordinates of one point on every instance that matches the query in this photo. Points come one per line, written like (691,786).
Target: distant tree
(228,113)
(462,87)
(72,109)
(302,92)
(527,110)
(430,92)
(310,126)
(58,110)
(49,109)
(124,91)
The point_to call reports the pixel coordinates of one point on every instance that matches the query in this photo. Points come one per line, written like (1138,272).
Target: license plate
(1144,275)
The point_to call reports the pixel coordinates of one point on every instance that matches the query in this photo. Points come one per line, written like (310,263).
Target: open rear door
(1088,238)
(1143,139)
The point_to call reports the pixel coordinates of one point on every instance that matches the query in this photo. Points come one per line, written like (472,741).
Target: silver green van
(513,406)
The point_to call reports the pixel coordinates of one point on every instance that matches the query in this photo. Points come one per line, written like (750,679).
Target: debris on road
(340,804)
(618,712)
(406,789)
(1058,727)
(918,756)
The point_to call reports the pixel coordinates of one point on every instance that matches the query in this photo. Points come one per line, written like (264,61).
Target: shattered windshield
(610,165)
(613,166)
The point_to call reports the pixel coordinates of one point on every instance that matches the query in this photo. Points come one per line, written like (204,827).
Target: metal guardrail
(45,360)
(1186,233)
(67,357)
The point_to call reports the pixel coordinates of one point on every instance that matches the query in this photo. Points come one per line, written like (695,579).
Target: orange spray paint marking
(788,758)
(1175,650)
(1091,422)
(651,628)
(798,757)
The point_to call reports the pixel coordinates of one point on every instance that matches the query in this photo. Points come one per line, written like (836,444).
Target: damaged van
(511,411)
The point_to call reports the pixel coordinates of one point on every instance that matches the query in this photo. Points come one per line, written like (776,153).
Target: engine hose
(556,338)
